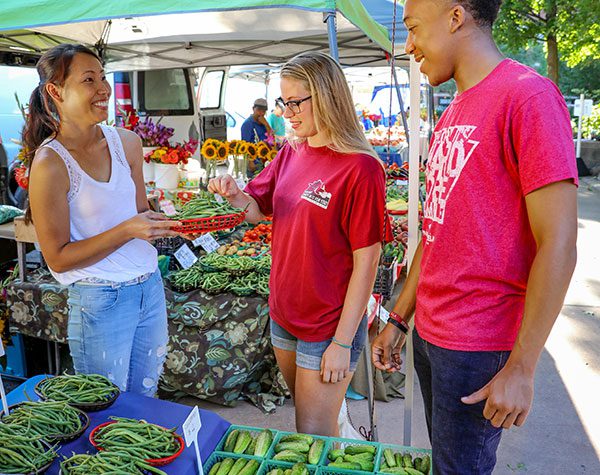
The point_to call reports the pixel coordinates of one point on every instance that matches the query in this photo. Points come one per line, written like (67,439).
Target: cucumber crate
(350,456)
(292,447)
(220,463)
(269,467)
(401,460)
(247,441)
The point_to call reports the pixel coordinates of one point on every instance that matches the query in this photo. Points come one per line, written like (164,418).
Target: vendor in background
(491,272)
(277,122)
(255,129)
(326,192)
(88,203)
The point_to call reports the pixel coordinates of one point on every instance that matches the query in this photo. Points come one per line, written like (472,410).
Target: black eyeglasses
(294,106)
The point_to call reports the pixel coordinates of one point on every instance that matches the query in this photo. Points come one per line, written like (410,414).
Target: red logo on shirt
(450,151)
(316,194)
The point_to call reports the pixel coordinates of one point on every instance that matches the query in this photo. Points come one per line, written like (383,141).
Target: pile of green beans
(214,261)
(106,463)
(214,281)
(239,264)
(187,279)
(78,389)
(138,438)
(263,285)
(263,264)
(204,205)
(244,285)
(45,419)
(22,453)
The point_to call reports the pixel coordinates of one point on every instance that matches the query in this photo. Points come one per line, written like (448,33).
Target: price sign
(1,348)
(208,243)
(584,111)
(191,427)
(218,198)
(167,207)
(240,183)
(185,256)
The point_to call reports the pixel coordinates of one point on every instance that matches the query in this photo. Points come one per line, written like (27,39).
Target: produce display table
(219,345)
(164,413)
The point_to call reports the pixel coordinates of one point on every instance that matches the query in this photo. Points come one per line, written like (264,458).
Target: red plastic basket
(214,223)
(154,462)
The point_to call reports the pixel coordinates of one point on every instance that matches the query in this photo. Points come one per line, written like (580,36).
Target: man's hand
(386,348)
(509,397)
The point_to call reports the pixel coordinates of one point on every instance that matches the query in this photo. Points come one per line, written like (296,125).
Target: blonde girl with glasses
(326,192)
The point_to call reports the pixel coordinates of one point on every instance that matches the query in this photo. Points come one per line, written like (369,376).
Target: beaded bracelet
(339,343)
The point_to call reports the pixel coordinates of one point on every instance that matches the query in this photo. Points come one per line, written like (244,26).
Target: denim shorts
(309,353)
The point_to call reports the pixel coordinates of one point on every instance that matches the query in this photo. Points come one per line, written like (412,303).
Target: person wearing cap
(256,127)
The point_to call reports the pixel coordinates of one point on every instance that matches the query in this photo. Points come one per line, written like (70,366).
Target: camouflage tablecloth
(219,347)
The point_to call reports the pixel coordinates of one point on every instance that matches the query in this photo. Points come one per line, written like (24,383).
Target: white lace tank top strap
(115,145)
(72,167)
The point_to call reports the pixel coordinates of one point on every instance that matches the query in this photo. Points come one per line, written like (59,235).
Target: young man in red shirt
(499,232)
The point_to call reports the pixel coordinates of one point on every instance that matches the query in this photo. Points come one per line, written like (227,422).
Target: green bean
(22,453)
(78,388)
(205,205)
(117,462)
(44,419)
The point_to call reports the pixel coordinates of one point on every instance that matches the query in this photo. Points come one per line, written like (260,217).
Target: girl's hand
(335,363)
(150,226)
(225,186)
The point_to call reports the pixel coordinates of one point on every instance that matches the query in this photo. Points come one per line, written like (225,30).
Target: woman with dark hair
(89,206)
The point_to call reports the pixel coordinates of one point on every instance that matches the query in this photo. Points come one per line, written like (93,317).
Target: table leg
(49,356)
(22,260)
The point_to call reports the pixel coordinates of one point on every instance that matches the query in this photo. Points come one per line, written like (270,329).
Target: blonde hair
(333,107)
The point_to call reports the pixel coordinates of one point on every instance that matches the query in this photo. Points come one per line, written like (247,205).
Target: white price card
(1,348)
(218,198)
(191,426)
(167,207)
(208,243)
(185,256)
(584,109)
(240,183)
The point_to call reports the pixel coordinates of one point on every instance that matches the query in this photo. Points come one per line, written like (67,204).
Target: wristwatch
(398,322)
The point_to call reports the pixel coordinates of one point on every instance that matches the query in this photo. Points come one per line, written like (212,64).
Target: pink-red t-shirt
(498,141)
(325,205)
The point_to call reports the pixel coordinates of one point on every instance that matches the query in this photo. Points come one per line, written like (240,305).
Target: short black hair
(484,12)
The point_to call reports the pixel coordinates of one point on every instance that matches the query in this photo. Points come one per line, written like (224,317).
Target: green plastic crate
(413,451)
(282,434)
(269,465)
(220,456)
(337,443)
(254,431)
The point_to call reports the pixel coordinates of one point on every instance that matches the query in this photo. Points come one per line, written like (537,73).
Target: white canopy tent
(150,34)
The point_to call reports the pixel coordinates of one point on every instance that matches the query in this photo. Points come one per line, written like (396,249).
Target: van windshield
(165,92)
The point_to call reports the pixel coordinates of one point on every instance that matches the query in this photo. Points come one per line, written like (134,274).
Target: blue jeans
(463,441)
(310,353)
(120,331)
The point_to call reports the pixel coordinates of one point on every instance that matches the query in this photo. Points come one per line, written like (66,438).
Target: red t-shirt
(498,141)
(325,205)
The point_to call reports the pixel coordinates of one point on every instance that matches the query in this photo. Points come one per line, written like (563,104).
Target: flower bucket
(148,168)
(166,176)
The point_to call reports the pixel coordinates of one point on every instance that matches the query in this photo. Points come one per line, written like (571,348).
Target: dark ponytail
(42,120)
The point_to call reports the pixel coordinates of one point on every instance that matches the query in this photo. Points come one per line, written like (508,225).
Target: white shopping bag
(345,428)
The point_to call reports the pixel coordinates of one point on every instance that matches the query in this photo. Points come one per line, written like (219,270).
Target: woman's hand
(386,349)
(150,226)
(225,186)
(335,363)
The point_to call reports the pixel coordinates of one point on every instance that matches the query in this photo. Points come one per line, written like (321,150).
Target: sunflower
(272,154)
(251,151)
(222,151)
(232,147)
(262,151)
(209,151)
(242,148)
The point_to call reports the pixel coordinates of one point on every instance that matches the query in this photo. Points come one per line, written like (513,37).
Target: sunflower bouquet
(214,151)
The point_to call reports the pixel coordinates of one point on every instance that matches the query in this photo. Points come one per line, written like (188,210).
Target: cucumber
(394,470)
(299,469)
(297,438)
(225,466)
(399,459)
(425,465)
(412,471)
(276,471)
(315,452)
(290,456)
(251,446)
(407,461)
(301,447)
(335,454)
(364,457)
(250,468)
(359,449)
(230,441)
(346,465)
(243,441)
(388,455)
(263,442)
(237,466)
(214,469)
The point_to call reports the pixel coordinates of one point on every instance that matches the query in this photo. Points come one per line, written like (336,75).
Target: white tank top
(96,207)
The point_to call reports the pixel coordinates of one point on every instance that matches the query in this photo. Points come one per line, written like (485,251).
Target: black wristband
(398,325)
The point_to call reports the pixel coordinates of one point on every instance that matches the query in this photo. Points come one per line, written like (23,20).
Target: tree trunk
(551,43)
(552,58)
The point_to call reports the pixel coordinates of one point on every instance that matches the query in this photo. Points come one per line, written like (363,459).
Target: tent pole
(329,18)
(413,228)
(401,102)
